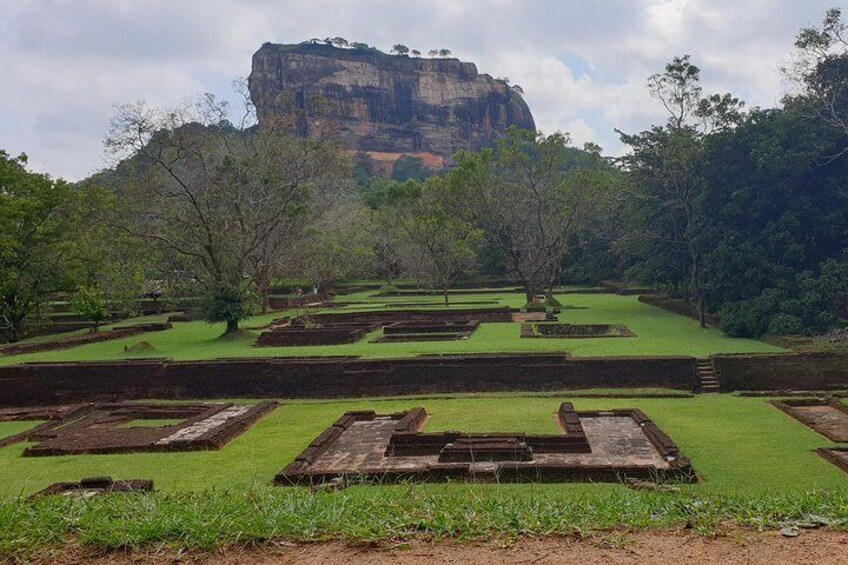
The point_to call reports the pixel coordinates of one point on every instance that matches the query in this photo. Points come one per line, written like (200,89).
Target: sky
(583,64)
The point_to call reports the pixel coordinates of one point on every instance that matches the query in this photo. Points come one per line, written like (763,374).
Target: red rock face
(383,104)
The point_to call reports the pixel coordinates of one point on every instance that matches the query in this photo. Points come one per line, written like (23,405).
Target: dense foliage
(743,213)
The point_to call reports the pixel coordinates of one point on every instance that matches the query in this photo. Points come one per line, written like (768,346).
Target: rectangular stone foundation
(827,417)
(574,331)
(94,486)
(836,455)
(106,428)
(301,336)
(596,446)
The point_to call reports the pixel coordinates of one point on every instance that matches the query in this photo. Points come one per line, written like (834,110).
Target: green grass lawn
(657,333)
(757,464)
(738,445)
(13,428)
(151,423)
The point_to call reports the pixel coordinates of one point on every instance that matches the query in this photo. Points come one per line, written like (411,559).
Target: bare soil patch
(613,548)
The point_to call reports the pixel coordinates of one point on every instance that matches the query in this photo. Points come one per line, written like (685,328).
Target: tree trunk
(232,327)
(699,293)
(554,275)
(264,284)
(445,292)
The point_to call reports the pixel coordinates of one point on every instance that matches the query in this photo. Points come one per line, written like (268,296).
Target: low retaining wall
(499,314)
(678,306)
(104,335)
(330,335)
(51,383)
(791,371)
(284,303)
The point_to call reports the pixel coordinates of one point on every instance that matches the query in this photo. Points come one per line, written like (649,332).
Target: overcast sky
(582,64)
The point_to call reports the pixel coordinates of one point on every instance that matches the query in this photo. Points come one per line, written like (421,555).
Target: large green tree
(220,196)
(529,195)
(663,167)
(36,242)
(436,243)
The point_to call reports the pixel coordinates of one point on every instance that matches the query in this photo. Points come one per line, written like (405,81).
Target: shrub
(785,324)
(552,302)
(228,303)
(534,306)
(90,303)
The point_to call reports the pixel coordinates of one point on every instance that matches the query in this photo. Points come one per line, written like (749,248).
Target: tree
(107,258)
(821,72)
(444,53)
(387,261)
(220,196)
(409,167)
(90,303)
(415,53)
(433,52)
(36,242)
(438,244)
(664,168)
(336,245)
(529,195)
(400,49)
(771,220)
(678,89)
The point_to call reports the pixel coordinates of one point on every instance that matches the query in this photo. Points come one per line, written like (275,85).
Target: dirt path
(739,547)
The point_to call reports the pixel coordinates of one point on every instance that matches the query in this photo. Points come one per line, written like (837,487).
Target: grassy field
(757,465)
(657,333)
(757,468)
(738,445)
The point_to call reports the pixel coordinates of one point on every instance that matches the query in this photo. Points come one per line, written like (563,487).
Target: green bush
(534,306)
(552,302)
(786,324)
(90,303)
(808,309)
(228,303)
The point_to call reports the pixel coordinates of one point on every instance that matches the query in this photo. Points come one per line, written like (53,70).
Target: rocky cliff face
(384,104)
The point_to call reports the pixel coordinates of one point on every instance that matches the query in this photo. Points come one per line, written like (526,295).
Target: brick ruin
(336,328)
(836,455)
(829,417)
(500,314)
(94,486)
(107,428)
(333,377)
(594,446)
(574,331)
(334,334)
(428,331)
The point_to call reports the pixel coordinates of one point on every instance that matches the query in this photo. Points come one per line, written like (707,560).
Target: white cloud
(582,63)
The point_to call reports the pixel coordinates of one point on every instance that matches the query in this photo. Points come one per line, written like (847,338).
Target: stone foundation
(595,446)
